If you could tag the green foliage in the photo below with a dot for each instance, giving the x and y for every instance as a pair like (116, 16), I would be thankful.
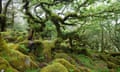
(86, 61)
(41, 58)
(9, 70)
(118, 69)
(49, 30)
(94, 65)
(88, 23)
(71, 70)
(23, 48)
(2, 15)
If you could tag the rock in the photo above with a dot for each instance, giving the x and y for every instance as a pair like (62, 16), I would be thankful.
(15, 58)
(65, 56)
(67, 64)
(55, 67)
(5, 66)
(47, 47)
(18, 60)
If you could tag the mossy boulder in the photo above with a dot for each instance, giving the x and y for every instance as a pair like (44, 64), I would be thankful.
(5, 66)
(9, 36)
(47, 47)
(67, 64)
(18, 60)
(13, 46)
(15, 58)
(40, 48)
(55, 67)
(3, 45)
(65, 56)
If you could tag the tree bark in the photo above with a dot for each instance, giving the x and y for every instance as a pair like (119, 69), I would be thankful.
(0, 6)
(0, 13)
(31, 33)
(3, 18)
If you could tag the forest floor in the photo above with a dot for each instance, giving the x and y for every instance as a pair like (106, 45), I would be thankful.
(15, 57)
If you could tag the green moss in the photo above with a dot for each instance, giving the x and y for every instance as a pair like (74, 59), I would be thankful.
(22, 48)
(18, 60)
(65, 56)
(3, 63)
(85, 60)
(83, 51)
(5, 66)
(55, 67)
(3, 45)
(13, 46)
(47, 47)
(67, 64)
(11, 70)
(118, 69)
(94, 66)
(21, 62)
(41, 58)
(32, 70)
(20, 38)
(2, 15)
(111, 65)
(98, 64)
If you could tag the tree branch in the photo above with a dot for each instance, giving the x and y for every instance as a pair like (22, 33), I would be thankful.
(74, 15)
(6, 6)
(81, 5)
(27, 12)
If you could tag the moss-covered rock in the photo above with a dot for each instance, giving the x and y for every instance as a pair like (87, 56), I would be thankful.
(65, 56)
(3, 45)
(40, 48)
(5, 66)
(15, 58)
(18, 60)
(9, 36)
(47, 47)
(67, 64)
(55, 67)
(62, 65)
(13, 46)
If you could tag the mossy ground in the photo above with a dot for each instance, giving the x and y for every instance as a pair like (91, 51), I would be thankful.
(14, 57)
